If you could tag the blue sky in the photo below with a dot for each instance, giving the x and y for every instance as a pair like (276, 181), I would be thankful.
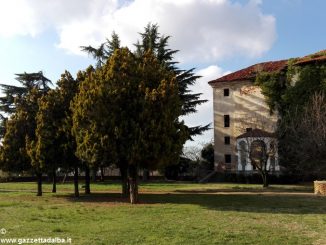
(215, 36)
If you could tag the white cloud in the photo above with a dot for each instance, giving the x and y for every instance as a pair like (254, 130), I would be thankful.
(204, 30)
(15, 20)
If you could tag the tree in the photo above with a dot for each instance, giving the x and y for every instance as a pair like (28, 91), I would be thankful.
(305, 138)
(104, 51)
(200, 160)
(127, 113)
(68, 88)
(43, 150)
(288, 93)
(54, 145)
(21, 126)
(14, 157)
(12, 94)
(152, 41)
(207, 154)
(258, 144)
(183, 168)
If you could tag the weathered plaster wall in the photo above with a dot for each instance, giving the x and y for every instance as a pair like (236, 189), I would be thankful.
(247, 109)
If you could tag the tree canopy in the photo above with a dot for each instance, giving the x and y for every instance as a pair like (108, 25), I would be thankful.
(151, 40)
(127, 113)
(20, 103)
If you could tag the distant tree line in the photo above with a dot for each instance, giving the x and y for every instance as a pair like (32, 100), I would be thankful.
(126, 111)
(194, 164)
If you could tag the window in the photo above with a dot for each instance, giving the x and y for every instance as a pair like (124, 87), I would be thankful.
(272, 163)
(227, 158)
(272, 157)
(227, 140)
(226, 92)
(226, 121)
(258, 154)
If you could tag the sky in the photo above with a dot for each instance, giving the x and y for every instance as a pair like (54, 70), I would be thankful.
(215, 37)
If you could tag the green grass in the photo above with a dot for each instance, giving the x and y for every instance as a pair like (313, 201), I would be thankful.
(169, 213)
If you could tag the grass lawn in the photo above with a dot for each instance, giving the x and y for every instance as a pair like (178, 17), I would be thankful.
(169, 213)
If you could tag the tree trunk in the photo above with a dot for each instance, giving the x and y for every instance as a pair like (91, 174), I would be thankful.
(87, 181)
(133, 176)
(102, 173)
(76, 182)
(133, 191)
(265, 179)
(39, 184)
(124, 181)
(54, 181)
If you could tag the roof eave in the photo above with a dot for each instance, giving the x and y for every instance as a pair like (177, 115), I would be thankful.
(214, 82)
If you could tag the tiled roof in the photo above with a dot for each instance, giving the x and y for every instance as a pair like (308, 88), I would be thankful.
(256, 133)
(316, 57)
(250, 72)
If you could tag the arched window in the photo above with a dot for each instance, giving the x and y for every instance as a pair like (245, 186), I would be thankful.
(243, 157)
(272, 157)
(258, 153)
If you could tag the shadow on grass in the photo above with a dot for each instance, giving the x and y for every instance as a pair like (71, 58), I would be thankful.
(6, 191)
(237, 189)
(241, 202)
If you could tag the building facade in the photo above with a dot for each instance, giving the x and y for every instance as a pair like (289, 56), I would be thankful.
(242, 118)
(239, 106)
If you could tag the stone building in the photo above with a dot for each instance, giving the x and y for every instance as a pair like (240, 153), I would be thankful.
(242, 118)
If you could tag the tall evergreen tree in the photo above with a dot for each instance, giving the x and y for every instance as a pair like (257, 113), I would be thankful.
(104, 51)
(21, 125)
(127, 113)
(158, 45)
(45, 149)
(54, 145)
(13, 94)
(152, 40)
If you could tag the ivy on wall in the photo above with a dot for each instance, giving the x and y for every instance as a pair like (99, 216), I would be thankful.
(288, 93)
(292, 89)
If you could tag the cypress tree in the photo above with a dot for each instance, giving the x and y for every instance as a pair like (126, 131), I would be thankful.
(151, 40)
(127, 113)
(22, 106)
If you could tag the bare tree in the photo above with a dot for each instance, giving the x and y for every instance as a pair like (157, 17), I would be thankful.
(305, 137)
(202, 157)
(193, 153)
(257, 145)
